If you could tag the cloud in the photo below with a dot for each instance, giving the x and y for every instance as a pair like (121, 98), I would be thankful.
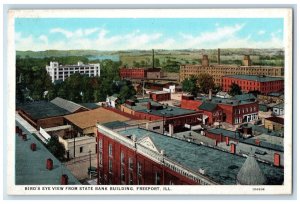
(261, 32)
(103, 39)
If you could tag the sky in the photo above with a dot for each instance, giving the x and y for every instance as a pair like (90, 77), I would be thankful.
(108, 34)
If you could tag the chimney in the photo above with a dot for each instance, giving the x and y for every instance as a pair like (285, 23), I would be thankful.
(247, 60)
(276, 159)
(64, 179)
(33, 147)
(149, 105)
(232, 148)
(205, 61)
(209, 94)
(171, 129)
(227, 141)
(216, 142)
(152, 58)
(219, 54)
(24, 137)
(17, 129)
(49, 164)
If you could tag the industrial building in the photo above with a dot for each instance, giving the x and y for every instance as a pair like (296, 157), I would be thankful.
(61, 72)
(217, 71)
(264, 84)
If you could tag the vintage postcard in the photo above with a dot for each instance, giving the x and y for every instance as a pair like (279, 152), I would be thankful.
(150, 101)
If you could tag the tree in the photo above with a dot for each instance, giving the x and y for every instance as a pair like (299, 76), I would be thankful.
(56, 148)
(235, 89)
(190, 85)
(205, 82)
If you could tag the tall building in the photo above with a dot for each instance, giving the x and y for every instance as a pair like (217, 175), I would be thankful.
(61, 72)
(218, 70)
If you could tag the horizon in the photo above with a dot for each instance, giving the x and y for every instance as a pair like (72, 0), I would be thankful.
(113, 34)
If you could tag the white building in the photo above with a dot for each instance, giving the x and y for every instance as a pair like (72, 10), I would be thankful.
(61, 72)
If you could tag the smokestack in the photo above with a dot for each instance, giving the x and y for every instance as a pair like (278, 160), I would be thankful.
(247, 60)
(152, 58)
(219, 54)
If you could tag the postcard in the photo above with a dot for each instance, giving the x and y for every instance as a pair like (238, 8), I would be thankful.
(150, 101)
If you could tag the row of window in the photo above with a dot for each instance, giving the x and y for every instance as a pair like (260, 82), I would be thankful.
(245, 110)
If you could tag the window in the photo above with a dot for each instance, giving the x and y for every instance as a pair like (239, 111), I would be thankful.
(156, 128)
(157, 178)
(110, 150)
(100, 157)
(122, 158)
(130, 177)
(122, 175)
(139, 168)
(110, 165)
(81, 149)
(130, 163)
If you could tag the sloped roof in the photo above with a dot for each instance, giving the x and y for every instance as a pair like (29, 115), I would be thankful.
(67, 105)
(208, 106)
(276, 120)
(245, 97)
(250, 173)
(87, 119)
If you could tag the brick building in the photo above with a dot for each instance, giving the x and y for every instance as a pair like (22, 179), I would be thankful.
(174, 118)
(140, 73)
(218, 71)
(233, 110)
(136, 156)
(261, 83)
(42, 114)
(160, 96)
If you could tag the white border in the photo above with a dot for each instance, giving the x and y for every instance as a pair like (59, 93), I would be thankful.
(158, 13)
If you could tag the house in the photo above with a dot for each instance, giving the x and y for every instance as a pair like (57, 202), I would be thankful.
(222, 94)
(274, 123)
(278, 109)
(111, 101)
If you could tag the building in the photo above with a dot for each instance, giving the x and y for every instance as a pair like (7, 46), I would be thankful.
(68, 105)
(140, 73)
(174, 118)
(233, 111)
(160, 96)
(84, 123)
(61, 72)
(274, 123)
(222, 94)
(278, 109)
(35, 165)
(261, 83)
(136, 156)
(42, 114)
(217, 71)
(111, 101)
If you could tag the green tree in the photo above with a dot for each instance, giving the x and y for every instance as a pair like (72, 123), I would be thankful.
(190, 85)
(205, 82)
(235, 89)
(56, 148)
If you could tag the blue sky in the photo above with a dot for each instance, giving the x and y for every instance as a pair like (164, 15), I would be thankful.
(147, 33)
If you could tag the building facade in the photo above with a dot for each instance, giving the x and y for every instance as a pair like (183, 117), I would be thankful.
(218, 71)
(160, 95)
(261, 83)
(61, 72)
(233, 111)
(140, 73)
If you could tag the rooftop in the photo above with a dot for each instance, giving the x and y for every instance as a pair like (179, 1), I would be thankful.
(208, 106)
(224, 132)
(42, 109)
(90, 118)
(30, 166)
(280, 105)
(229, 101)
(276, 120)
(67, 105)
(245, 97)
(258, 78)
(90, 105)
(163, 110)
(220, 166)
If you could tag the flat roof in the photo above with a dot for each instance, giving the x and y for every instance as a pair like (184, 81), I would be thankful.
(42, 109)
(222, 167)
(90, 118)
(276, 120)
(165, 111)
(227, 101)
(30, 166)
(258, 78)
